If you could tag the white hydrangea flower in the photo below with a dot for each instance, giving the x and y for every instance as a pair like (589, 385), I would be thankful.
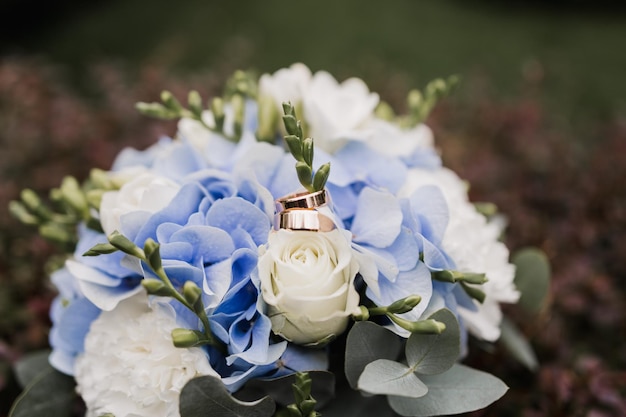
(335, 112)
(130, 366)
(389, 139)
(146, 192)
(286, 84)
(473, 244)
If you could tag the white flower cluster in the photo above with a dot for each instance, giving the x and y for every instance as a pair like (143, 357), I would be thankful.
(130, 366)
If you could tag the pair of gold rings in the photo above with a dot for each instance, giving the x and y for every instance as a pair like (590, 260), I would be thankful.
(299, 211)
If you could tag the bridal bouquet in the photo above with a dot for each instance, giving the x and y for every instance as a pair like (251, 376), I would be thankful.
(296, 249)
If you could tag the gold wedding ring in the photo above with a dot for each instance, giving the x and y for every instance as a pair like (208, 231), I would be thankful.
(303, 219)
(302, 200)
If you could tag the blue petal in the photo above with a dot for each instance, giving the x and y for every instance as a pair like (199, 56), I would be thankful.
(415, 282)
(209, 243)
(378, 218)
(405, 250)
(233, 213)
(429, 205)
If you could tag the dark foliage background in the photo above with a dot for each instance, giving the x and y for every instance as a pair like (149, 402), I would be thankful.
(537, 127)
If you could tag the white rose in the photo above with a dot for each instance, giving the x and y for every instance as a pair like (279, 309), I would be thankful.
(473, 243)
(147, 193)
(307, 280)
(130, 366)
(286, 84)
(335, 112)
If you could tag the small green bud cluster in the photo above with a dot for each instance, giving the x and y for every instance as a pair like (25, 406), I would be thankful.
(304, 405)
(239, 87)
(70, 204)
(464, 279)
(302, 150)
(419, 103)
(404, 305)
(161, 286)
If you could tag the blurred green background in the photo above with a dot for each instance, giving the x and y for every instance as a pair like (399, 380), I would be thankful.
(576, 49)
(538, 126)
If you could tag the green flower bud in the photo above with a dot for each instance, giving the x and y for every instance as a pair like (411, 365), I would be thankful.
(291, 124)
(125, 245)
(415, 99)
(195, 103)
(217, 108)
(30, 199)
(321, 176)
(100, 179)
(456, 276)
(295, 146)
(268, 119)
(56, 232)
(156, 287)
(19, 211)
(474, 292)
(308, 151)
(238, 105)
(193, 295)
(404, 305)
(156, 110)
(100, 249)
(73, 195)
(185, 338)
(429, 326)
(289, 109)
(384, 111)
(170, 102)
(94, 197)
(153, 254)
(304, 173)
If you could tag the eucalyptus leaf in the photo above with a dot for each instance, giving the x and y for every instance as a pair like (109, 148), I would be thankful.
(532, 278)
(518, 345)
(350, 403)
(430, 354)
(207, 396)
(366, 343)
(459, 390)
(50, 393)
(385, 377)
(30, 365)
(280, 389)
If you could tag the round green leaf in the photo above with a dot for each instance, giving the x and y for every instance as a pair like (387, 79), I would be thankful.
(49, 393)
(518, 345)
(207, 395)
(385, 377)
(532, 278)
(31, 365)
(459, 390)
(430, 354)
(367, 342)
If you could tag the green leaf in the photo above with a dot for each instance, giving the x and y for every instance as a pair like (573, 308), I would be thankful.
(391, 378)
(207, 395)
(30, 365)
(532, 278)
(430, 354)
(350, 403)
(366, 343)
(459, 390)
(281, 391)
(517, 344)
(50, 393)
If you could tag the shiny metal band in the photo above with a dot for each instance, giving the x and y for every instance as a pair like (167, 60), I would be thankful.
(303, 219)
(303, 200)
